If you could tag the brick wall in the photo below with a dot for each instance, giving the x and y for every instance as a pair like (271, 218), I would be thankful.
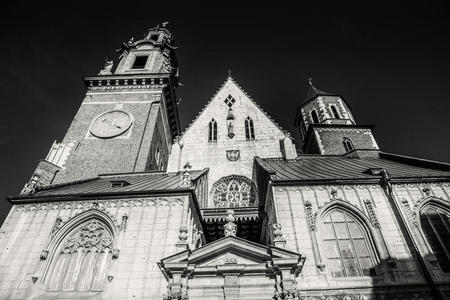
(93, 156)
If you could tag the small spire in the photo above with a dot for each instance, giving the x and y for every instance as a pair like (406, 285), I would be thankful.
(229, 73)
(313, 91)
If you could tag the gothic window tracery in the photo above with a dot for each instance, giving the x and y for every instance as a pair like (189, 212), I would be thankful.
(233, 191)
(212, 132)
(348, 145)
(249, 129)
(346, 245)
(435, 223)
(81, 260)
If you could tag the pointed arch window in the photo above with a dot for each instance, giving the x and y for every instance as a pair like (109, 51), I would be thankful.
(212, 133)
(346, 245)
(81, 260)
(435, 223)
(314, 116)
(334, 112)
(249, 129)
(348, 145)
(233, 191)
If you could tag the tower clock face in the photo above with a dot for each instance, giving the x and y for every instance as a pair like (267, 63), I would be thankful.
(111, 124)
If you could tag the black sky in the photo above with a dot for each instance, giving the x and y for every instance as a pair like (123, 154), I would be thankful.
(390, 61)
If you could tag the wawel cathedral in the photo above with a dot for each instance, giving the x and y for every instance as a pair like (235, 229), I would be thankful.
(130, 206)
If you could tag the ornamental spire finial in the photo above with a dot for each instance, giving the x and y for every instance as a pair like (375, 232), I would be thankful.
(229, 73)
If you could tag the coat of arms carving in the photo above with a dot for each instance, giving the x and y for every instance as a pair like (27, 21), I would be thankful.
(233, 155)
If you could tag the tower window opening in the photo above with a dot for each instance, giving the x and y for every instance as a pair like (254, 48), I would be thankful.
(154, 37)
(335, 112)
(212, 133)
(249, 129)
(348, 145)
(140, 62)
(314, 116)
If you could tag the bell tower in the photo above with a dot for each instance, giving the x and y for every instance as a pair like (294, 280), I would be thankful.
(127, 119)
(326, 126)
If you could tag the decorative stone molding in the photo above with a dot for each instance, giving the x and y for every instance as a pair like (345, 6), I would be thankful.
(182, 243)
(278, 240)
(186, 175)
(230, 227)
(31, 186)
(175, 296)
(117, 82)
(115, 253)
(411, 215)
(57, 225)
(371, 212)
(310, 217)
(287, 295)
(44, 254)
(427, 191)
(321, 267)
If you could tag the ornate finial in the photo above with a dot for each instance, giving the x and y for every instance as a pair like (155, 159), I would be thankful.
(427, 191)
(334, 194)
(229, 73)
(107, 68)
(230, 226)
(31, 186)
(183, 236)
(131, 40)
(186, 176)
(310, 81)
(278, 239)
(164, 24)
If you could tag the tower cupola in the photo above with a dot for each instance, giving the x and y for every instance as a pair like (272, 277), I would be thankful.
(326, 125)
(153, 54)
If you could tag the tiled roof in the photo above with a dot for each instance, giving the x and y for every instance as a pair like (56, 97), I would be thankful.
(128, 182)
(322, 167)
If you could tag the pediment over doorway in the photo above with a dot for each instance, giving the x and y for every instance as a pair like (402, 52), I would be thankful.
(227, 263)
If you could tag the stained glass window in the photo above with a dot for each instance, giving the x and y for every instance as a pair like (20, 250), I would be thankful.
(436, 226)
(233, 191)
(345, 246)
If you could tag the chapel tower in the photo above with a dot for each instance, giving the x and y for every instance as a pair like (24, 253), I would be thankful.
(326, 126)
(127, 119)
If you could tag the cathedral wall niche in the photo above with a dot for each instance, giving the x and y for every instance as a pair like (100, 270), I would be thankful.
(93, 155)
(147, 230)
(302, 211)
(201, 153)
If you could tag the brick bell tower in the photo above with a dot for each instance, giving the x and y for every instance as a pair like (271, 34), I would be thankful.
(127, 119)
(327, 126)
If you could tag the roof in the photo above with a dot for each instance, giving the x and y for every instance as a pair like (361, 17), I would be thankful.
(326, 167)
(313, 92)
(229, 78)
(125, 182)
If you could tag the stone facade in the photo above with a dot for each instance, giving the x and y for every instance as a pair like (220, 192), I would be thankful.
(226, 210)
(193, 146)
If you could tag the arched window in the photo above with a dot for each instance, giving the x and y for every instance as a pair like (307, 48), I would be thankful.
(346, 245)
(314, 116)
(212, 133)
(249, 130)
(348, 145)
(233, 191)
(81, 260)
(435, 224)
(335, 112)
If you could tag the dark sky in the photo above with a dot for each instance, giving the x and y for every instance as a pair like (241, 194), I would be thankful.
(391, 62)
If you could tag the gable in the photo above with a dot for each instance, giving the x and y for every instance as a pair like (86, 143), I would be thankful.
(230, 155)
(217, 108)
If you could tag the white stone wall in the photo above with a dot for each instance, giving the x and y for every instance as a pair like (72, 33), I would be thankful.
(151, 234)
(292, 214)
(411, 198)
(196, 149)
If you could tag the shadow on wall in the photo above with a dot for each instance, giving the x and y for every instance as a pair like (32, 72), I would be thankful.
(390, 279)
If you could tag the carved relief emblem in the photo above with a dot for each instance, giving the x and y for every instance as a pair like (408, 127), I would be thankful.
(233, 155)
